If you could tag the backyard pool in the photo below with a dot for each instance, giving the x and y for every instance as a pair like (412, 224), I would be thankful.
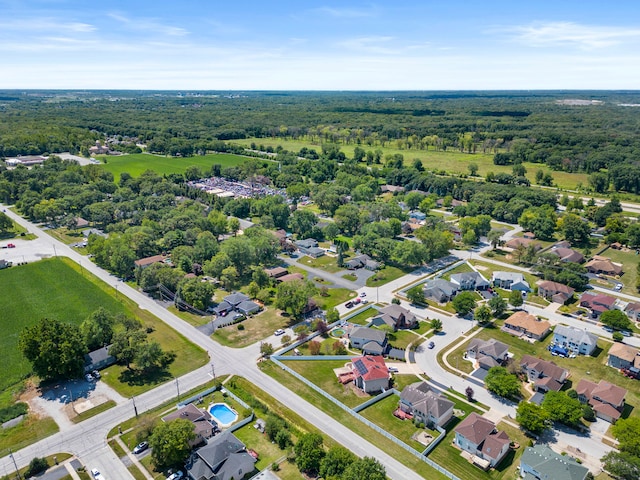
(223, 414)
(337, 332)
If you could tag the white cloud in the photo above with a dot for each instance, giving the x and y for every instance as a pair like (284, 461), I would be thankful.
(573, 34)
(347, 12)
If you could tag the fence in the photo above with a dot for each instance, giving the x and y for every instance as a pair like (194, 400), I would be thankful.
(370, 424)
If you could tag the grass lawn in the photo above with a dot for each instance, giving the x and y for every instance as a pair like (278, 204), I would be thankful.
(191, 318)
(135, 164)
(335, 296)
(363, 317)
(31, 430)
(15, 231)
(350, 276)
(629, 260)
(487, 270)
(256, 328)
(381, 413)
(462, 268)
(351, 423)
(66, 236)
(321, 374)
(401, 380)
(268, 452)
(402, 338)
(387, 274)
(326, 263)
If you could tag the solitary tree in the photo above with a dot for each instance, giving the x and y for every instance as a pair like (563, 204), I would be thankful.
(416, 295)
(515, 298)
(464, 302)
(532, 417)
(498, 305)
(502, 383)
(469, 393)
(483, 314)
(170, 442)
(436, 324)
(615, 319)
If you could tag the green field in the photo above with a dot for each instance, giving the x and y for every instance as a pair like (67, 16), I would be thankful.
(137, 163)
(45, 289)
(57, 288)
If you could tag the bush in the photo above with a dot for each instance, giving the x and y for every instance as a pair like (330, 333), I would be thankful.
(240, 326)
(36, 466)
(13, 411)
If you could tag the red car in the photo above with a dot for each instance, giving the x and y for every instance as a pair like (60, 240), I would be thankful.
(10, 245)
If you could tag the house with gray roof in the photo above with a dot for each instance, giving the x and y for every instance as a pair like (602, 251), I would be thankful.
(541, 463)
(469, 281)
(362, 261)
(236, 299)
(98, 359)
(440, 290)
(248, 307)
(580, 341)
(223, 458)
(488, 353)
(370, 340)
(426, 406)
(396, 317)
(510, 281)
(204, 426)
(309, 246)
(544, 375)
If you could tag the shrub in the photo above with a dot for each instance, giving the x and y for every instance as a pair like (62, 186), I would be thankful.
(36, 466)
(13, 411)
(240, 326)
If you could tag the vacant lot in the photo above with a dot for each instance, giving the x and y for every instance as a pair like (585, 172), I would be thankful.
(57, 288)
(252, 329)
(135, 164)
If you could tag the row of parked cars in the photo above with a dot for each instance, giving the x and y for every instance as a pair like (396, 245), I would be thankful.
(357, 301)
(92, 376)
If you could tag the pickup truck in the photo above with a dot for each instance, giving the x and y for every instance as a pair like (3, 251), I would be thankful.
(96, 474)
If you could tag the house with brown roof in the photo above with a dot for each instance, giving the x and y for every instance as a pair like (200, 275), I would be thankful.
(290, 277)
(204, 426)
(633, 311)
(597, 303)
(488, 353)
(478, 436)
(623, 356)
(276, 272)
(425, 405)
(555, 292)
(567, 254)
(145, 262)
(603, 265)
(396, 317)
(544, 375)
(516, 242)
(606, 399)
(523, 323)
(370, 373)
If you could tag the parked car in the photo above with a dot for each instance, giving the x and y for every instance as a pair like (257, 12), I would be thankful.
(141, 447)
(10, 245)
(349, 304)
(176, 476)
(365, 301)
(88, 377)
(96, 374)
(607, 329)
(363, 294)
(618, 287)
(393, 370)
(279, 332)
(626, 333)
(357, 301)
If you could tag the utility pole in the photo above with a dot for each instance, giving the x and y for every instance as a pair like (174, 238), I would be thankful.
(213, 372)
(15, 464)
(135, 409)
(178, 389)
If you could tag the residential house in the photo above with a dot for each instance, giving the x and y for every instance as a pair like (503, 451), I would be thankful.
(417, 216)
(362, 261)
(370, 373)
(555, 292)
(248, 307)
(440, 290)
(222, 308)
(633, 311)
(488, 353)
(517, 242)
(541, 463)
(276, 272)
(396, 317)
(309, 246)
(370, 340)
(223, 458)
(510, 281)
(567, 254)
(598, 303)
(603, 265)
(478, 436)
(290, 277)
(469, 281)
(203, 424)
(99, 149)
(98, 359)
(623, 356)
(606, 399)
(143, 263)
(391, 188)
(544, 375)
(425, 405)
(81, 222)
(236, 299)
(523, 323)
(529, 235)
(580, 341)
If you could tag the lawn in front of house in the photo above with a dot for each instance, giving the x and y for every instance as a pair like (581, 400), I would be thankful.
(402, 338)
(320, 373)
(462, 268)
(381, 413)
(334, 297)
(387, 274)
(487, 270)
(66, 235)
(629, 260)
(364, 317)
(253, 329)
(327, 263)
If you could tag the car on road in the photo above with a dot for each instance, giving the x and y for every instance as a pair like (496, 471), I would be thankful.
(626, 333)
(363, 294)
(393, 370)
(357, 300)
(88, 377)
(10, 245)
(141, 447)
(349, 304)
(96, 474)
(607, 329)
(176, 476)
(365, 301)
(618, 287)
(431, 344)
(278, 332)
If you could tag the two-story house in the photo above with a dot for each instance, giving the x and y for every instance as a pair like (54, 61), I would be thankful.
(426, 406)
(478, 436)
(469, 281)
(623, 356)
(370, 340)
(554, 291)
(488, 353)
(541, 463)
(580, 341)
(510, 281)
(545, 376)
(606, 399)
(370, 373)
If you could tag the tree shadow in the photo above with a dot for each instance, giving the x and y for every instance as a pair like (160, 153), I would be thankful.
(149, 377)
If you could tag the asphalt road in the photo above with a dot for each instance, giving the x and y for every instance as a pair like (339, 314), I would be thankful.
(87, 440)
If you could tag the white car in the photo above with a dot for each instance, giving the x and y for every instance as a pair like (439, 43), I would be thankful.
(175, 476)
(278, 332)
(96, 474)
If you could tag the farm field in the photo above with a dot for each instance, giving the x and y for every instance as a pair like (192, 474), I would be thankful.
(69, 295)
(453, 162)
(137, 163)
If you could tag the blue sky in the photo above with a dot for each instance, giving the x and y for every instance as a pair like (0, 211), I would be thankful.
(308, 45)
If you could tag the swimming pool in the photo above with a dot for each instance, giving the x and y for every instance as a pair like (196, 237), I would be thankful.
(223, 414)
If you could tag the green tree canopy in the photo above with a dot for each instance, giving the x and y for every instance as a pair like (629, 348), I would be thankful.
(97, 329)
(293, 296)
(498, 305)
(416, 295)
(627, 432)
(502, 383)
(464, 302)
(615, 319)
(367, 467)
(309, 453)
(335, 462)
(532, 417)
(170, 442)
(562, 408)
